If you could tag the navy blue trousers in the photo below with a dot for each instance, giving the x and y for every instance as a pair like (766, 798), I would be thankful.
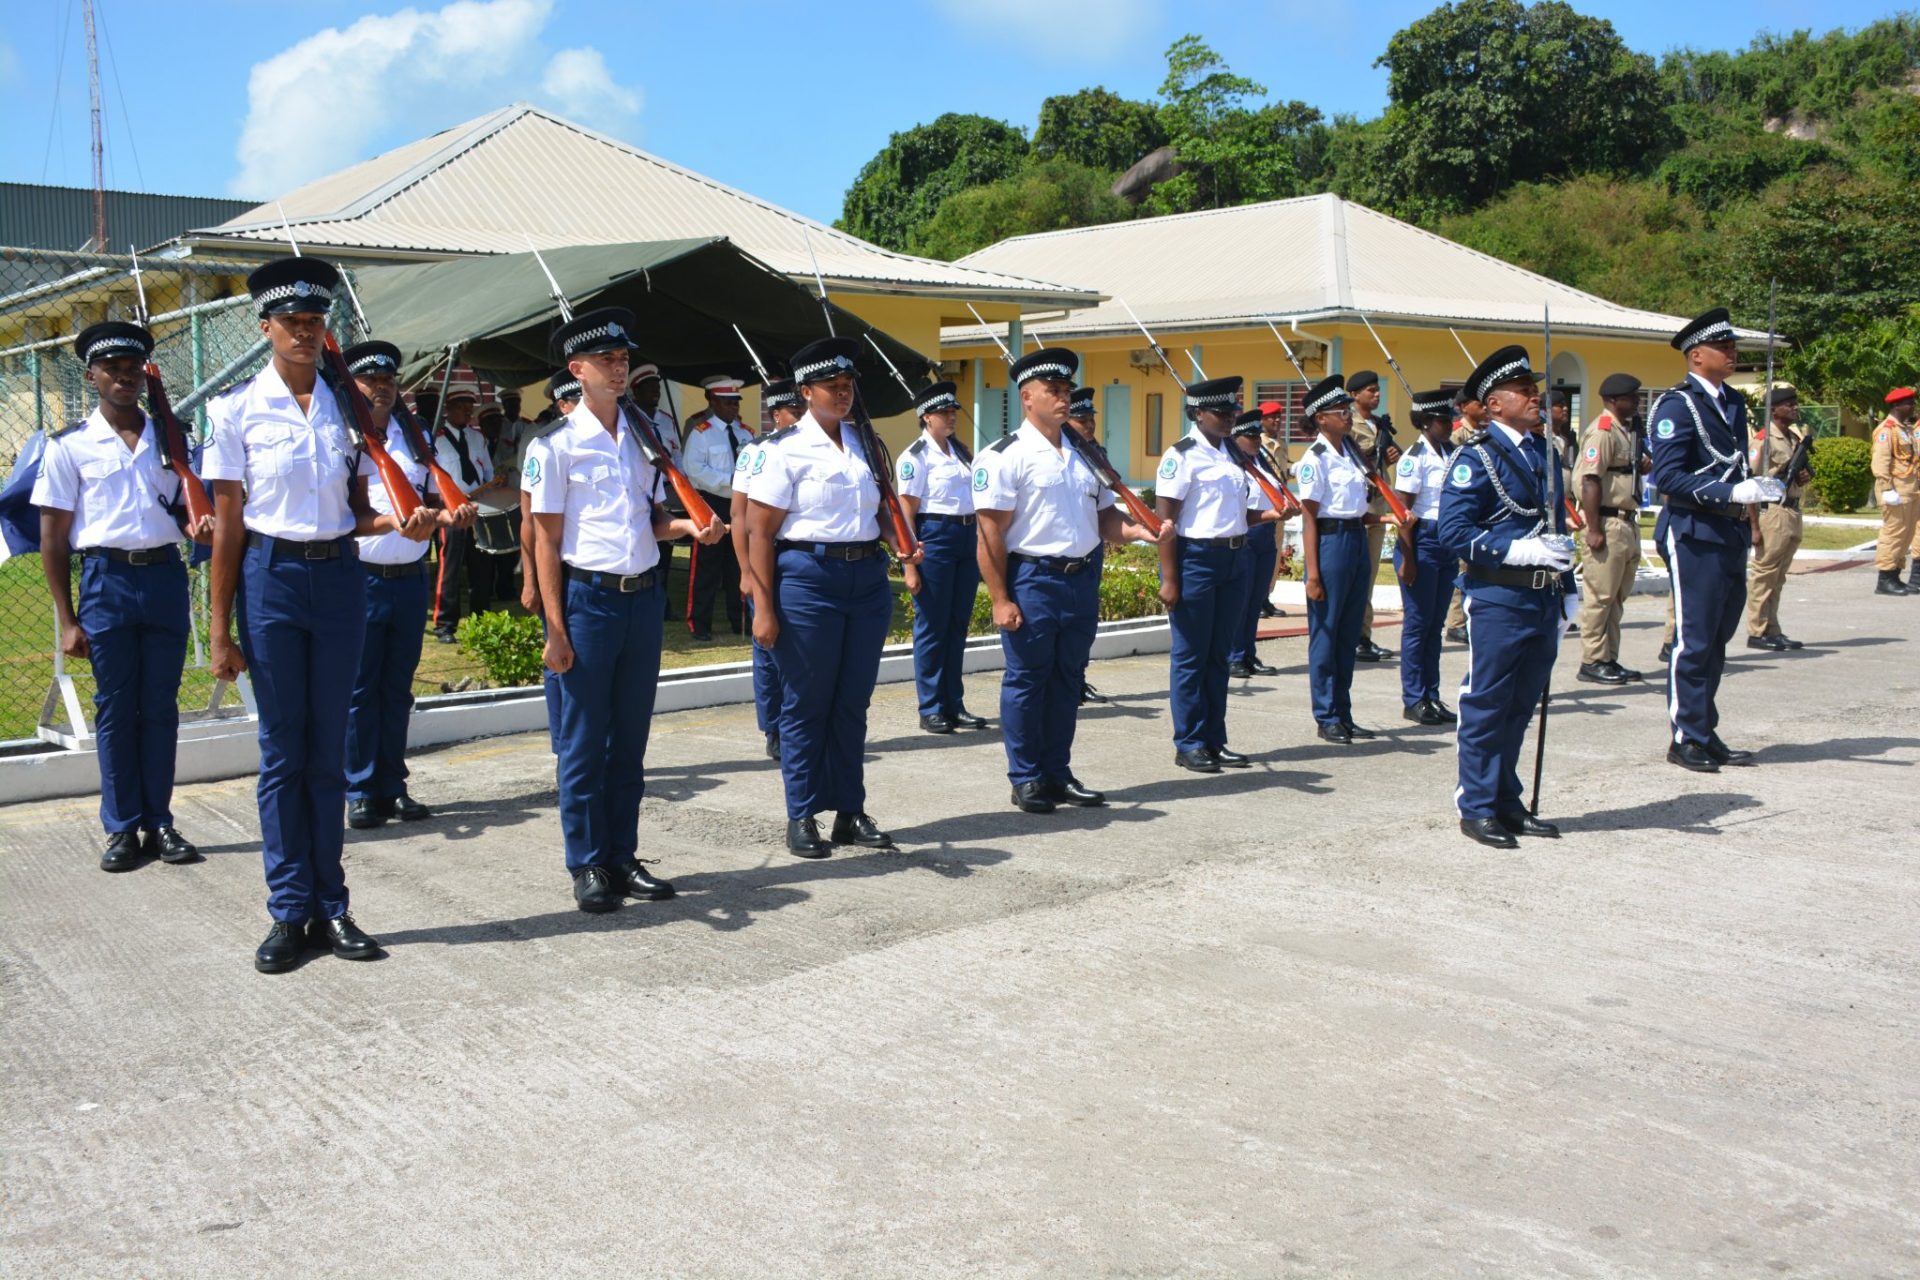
(1512, 638)
(833, 623)
(942, 612)
(382, 699)
(302, 623)
(1213, 596)
(1046, 668)
(606, 712)
(1263, 548)
(1709, 594)
(766, 682)
(1333, 624)
(1425, 604)
(135, 621)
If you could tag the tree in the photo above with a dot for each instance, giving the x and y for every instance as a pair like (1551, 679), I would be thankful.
(1097, 129)
(1229, 152)
(1486, 93)
(902, 186)
(1046, 196)
(1857, 363)
(1727, 163)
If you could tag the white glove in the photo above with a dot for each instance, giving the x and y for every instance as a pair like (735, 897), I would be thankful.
(1891, 498)
(1538, 553)
(1758, 489)
(1569, 607)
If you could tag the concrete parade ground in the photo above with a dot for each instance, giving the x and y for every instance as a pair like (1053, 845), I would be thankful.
(1281, 1022)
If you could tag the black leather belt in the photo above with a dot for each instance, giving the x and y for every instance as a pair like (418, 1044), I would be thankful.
(139, 555)
(832, 550)
(1622, 513)
(1708, 508)
(1338, 524)
(1237, 540)
(411, 569)
(626, 583)
(1059, 564)
(945, 519)
(1791, 504)
(1532, 579)
(289, 549)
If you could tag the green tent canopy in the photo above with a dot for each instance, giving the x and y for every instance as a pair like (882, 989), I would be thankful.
(686, 296)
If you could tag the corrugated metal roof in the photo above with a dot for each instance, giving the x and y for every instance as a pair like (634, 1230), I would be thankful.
(466, 191)
(1315, 257)
(34, 216)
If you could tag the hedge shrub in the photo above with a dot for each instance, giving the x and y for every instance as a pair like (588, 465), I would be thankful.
(508, 647)
(1842, 472)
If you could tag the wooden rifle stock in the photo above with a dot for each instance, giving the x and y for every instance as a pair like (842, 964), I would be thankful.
(452, 496)
(1388, 495)
(173, 438)
(656, 452)
(1110, 476)
(1574, 519)
(400, 491)
(1281, 497)
(903, 540)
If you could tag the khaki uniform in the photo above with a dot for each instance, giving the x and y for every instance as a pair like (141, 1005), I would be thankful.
(1365, 437)
(1896, 466)
(1606, 576)
(1780, 535)
(1276, 453)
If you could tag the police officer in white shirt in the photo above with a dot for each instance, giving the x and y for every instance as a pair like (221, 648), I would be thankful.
(1425, 567)
(104, 491)
(595, 502)
(821, 600)
(290, 491)
(709, 455)
(1333, 540)
(1205, 493)
(934, 478)
(1043, 514)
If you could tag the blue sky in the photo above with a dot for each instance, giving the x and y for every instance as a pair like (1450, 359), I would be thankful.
(224, 97)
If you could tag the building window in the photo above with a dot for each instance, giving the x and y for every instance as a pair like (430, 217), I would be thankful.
(1154, 403)
(1291, 396)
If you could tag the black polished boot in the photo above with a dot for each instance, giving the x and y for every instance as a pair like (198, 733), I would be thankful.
(1070, 790)
(1489, 832)
(1032, 797)
(171, 847)
(858, 828)
(344, 938)
(1692, 756)
(1522, 823)
(594, 890)
(1229, 759)
(285, 944)
(407, 809)
(803, 839)
(122, 852)
(364, 815)
(1196, 761)
(633, 881)
(965, 719)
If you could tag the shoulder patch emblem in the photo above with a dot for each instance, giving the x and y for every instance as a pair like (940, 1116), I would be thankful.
(532, 470)
(759, 461)
(1593, 451)
(1665, 429)
(1462, 475)
(979, 479)
(742, 462)
(1306, 472)
(906, 468)
(1169, 468)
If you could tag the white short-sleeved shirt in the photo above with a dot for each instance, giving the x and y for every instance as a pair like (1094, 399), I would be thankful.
(298, 467)
(602, 487)
(1055, 497)
(1213, 490)
(394, 548)
(940, 478)
(1422, 473)
(1334, 478)
(827, 490)
(711, 452)
(447, 453)
(118, 496)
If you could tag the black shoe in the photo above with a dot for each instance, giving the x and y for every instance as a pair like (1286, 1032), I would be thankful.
(445, 637)
(1523, 823)
(1889, 584)
(633, 881)
(1336, 733)
(1423, 712)
(407, 809)
(773, 746)
(1068, 790)
(1765, 642)
(1090, 694)
(170, 846)
(1268, 611)
(858, 828)
(1666, 653)
(1788, 641)
(1628, 674)
(1457, 635)
(1489, 832)
(1358, 734)
(285, 944)
(364, 815)
(936, 724)
(1447, 715)
(1240, 670)
(1691, 755)
(1032, 797)
(803, 839)
(122, 852)
(1368, 651)
(965, 719)
(595, 890)
(1196, 761)
(1229, 759)
(1723, 755)
(703, 635)
(1601, 673)
(343, 937)
(1262, 668)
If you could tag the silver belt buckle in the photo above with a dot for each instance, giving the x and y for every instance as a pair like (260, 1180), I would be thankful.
(628, 583)
(1542, 578)
(316, 550)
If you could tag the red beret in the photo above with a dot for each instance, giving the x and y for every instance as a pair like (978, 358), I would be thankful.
(1270, 407)
(1898, 394)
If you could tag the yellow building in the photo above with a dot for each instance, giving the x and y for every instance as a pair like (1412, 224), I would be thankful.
(1317, 269)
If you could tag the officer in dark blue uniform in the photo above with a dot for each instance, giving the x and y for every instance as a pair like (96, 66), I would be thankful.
(821, 600)
(1333, 544)
(599, 523)
(781, 399)
(1203, 491)
(290, 491)
(103, 491)
(935, 482)
(1700, 467)
(1425, 567)
(1262, 550)
(1500, 515)
(1043, 514)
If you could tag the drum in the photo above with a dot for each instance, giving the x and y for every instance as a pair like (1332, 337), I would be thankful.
(493, 534)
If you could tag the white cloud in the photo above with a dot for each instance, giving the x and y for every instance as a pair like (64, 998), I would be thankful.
(1100, 27)
(9, 64)
(325, 102)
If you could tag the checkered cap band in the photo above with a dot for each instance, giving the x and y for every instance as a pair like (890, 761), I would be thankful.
(567, 390)
(1045, 371)
(831, 365)
(1327, 400)
(781, 399)
(599, 333)
(373, 362)
(1433, 406)
(1226, 401)
(1722, 332)
(940, 402)
(112, 343)
(1497, 376)
(298, 289)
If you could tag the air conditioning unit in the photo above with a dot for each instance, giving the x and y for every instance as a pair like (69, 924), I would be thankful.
(1143, 359)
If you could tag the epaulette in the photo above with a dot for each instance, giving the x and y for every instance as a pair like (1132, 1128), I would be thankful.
(1477, 436)
(1417, 447)
(67, 430)
(918, 446)
(1318, 446)
(1000, 445)
(1185, 443)
(782, 434)
(230, 388)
